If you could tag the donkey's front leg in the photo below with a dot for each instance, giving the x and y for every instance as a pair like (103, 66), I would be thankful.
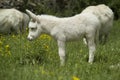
(61, 49)
(92, 48)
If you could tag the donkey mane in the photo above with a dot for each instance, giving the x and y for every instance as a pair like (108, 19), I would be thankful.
(55, 18)
(49, 17)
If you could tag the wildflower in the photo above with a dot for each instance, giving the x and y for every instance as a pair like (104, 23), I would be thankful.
(46, 47)
(7, 47)
(7, 50)
(75, 78)
(48, 37)
(13, 36)
(44, 36)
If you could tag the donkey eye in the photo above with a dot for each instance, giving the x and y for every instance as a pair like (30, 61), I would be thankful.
(33, 29)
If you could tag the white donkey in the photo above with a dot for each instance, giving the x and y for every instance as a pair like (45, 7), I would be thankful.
(13, 21)
(105, 15)
(66, 29)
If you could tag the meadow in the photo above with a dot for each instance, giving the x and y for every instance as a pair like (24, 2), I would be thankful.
(21, 59)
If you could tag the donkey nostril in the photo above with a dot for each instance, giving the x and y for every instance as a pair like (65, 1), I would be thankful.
(29, 38)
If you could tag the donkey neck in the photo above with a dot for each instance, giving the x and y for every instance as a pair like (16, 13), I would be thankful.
(48, 23)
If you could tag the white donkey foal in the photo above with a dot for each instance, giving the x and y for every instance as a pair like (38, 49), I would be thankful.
(66, 29)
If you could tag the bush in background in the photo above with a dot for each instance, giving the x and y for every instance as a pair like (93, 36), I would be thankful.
(59, 7)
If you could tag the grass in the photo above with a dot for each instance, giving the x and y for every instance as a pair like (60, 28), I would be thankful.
(21, 59)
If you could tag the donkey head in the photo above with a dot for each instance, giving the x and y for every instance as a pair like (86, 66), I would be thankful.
(34, 26)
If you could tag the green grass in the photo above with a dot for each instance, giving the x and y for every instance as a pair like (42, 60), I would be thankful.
(21, 59)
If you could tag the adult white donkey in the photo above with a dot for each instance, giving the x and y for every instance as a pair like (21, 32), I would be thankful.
(106, 16)
(66, 29)
(13, 21)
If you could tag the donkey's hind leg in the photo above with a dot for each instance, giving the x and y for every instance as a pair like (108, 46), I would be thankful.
(91, 46)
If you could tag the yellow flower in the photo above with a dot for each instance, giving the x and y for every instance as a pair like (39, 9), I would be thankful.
(7, 47)
(13, 36)
(44, 36)
(46, 47)
(75, 78)
(7, 50)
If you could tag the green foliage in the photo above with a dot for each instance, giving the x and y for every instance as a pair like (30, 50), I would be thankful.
(70, 7)
(116, 8)
(59, 7)
(39, 59)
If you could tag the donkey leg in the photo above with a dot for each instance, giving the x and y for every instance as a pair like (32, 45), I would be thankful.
(85, 41)
(92, 48)
(61, 51)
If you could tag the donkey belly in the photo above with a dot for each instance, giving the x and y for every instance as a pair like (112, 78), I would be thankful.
(73, 37)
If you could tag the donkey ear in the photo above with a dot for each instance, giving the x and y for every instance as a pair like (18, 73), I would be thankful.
(32, 15)
(38, 19)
